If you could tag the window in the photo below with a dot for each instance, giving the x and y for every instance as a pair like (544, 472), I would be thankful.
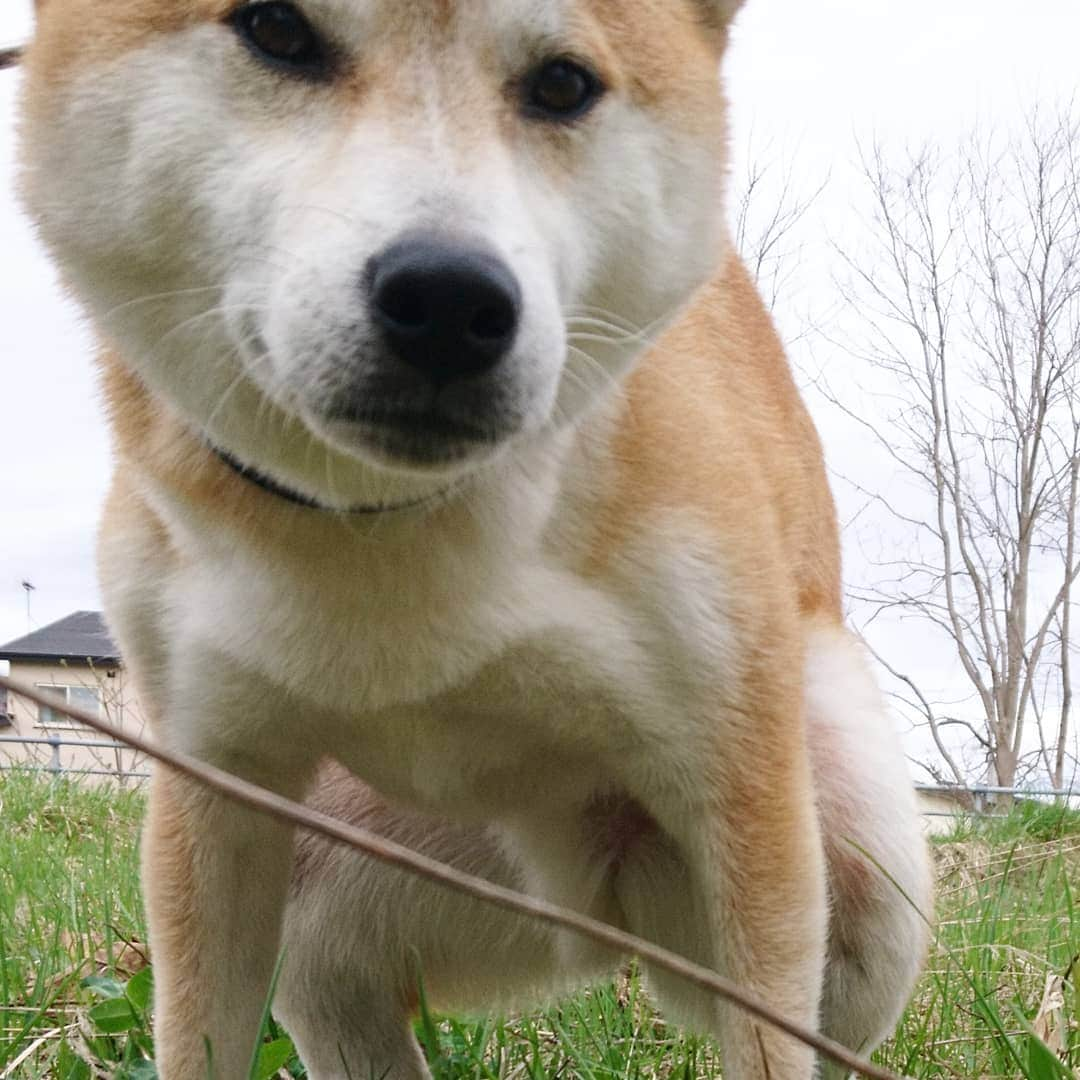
(80, 697)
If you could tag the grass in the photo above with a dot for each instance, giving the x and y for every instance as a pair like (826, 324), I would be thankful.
(998, 999)
(69, 908)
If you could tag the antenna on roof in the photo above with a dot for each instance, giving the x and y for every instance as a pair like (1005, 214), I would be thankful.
(29, 587)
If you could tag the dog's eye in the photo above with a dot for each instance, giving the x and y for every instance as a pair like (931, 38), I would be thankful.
(562, 90)
(277, 31)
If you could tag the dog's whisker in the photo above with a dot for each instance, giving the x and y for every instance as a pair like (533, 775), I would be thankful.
(161, 297)
(601, 325)
(340, 215)
(602, 339)
(211, 420)
(593, 365)
(606, 315)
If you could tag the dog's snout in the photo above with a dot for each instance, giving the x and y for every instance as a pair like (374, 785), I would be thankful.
(445, 308)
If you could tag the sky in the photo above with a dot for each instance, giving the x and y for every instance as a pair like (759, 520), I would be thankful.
(806, 80)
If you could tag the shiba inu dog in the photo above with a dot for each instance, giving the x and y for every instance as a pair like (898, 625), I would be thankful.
(462, 486)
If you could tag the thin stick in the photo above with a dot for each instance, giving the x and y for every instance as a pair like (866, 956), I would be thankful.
(398, 855)
(10, 56)
(32, 1049)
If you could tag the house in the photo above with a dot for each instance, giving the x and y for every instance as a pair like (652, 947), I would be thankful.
(76, 662)
(943, 806)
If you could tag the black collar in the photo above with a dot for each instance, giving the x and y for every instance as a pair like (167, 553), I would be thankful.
(272, 487)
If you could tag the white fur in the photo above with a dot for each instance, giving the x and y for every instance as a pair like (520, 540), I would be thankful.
(868, 802)
(256, 316)
(351, 989)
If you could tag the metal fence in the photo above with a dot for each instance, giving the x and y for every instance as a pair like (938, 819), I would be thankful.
(983, 798)
(55, 766)
(979, 798)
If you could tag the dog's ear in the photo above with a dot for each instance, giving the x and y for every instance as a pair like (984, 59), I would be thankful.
(13, 54)
(718, 12)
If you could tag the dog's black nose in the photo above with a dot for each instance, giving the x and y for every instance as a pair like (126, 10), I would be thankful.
(447, 309)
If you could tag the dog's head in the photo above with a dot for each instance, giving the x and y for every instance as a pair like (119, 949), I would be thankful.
(415, 231)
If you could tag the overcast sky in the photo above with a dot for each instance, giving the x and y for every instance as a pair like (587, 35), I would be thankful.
(806, 77)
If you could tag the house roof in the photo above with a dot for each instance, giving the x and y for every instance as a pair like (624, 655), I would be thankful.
(80, 636)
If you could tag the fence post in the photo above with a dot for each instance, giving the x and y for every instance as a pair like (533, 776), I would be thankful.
(54, 757)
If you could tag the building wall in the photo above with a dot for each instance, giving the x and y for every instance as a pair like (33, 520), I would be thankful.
(116, 703)
(940, 811)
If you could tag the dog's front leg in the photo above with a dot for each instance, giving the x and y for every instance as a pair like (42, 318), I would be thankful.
(768, 886)
(215, 877)
(740, 887)
(215, 873)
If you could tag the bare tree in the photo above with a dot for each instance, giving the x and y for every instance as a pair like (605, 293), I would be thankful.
(768, 210)
(966, 304)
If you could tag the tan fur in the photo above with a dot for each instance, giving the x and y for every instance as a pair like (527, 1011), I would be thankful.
(169, 870)
(719, 390)
(83, 39)
(604, 663)
(188, 946)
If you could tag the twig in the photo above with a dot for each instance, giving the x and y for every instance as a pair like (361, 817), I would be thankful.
(32, 1049)
(398, 855)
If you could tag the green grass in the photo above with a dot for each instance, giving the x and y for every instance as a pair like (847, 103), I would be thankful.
(69, 907)
(74, 995)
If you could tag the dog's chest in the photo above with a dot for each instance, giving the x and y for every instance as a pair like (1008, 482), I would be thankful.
(549, 719)
(497, 684)
(576, 687)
